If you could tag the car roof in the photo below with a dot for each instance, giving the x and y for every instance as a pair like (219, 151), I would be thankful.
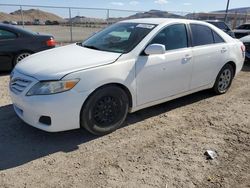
(159, 21)
(214, 21)
(16, 29)
(245, 24)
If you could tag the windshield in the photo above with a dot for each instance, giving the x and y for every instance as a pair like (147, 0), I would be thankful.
(120, 37)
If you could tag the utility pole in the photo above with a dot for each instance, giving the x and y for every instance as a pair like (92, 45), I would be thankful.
(225, 19)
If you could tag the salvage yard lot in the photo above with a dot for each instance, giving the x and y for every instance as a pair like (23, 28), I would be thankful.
(62, 33)
(158, 146)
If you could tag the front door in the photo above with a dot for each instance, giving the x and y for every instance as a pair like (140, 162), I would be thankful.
(164, 75)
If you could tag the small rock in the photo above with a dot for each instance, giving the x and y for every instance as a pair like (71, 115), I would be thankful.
(101, 172)
(210, 154)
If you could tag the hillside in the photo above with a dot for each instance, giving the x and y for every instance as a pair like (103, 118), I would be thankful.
(154, 14)
(238, 10)
(29, 15)
(148, 14)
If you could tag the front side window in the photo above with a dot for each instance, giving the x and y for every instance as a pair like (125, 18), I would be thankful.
(173, 37)
(120, 37)
(201, 35)
(6, 35)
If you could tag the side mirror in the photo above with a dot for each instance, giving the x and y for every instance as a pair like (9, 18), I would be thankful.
(155, 49)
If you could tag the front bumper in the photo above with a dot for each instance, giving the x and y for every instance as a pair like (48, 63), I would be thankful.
(63, 108)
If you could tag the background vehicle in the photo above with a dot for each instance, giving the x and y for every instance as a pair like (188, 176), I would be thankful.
(126, 67)
(242, 31)
(17, 43)
(246, 41)
(223, 26)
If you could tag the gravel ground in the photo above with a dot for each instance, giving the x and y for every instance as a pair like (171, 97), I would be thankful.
(161, 146)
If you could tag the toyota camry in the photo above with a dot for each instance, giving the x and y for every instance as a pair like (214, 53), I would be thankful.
(126, 67)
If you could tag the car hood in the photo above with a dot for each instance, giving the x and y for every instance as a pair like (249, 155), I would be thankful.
(245, 39)
(56, 63)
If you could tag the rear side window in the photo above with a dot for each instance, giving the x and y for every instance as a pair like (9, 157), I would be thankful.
(7, 34)
(217, 38)
(201, 35)
(173, 37)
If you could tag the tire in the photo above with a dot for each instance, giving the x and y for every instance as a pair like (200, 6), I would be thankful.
(224, 79)
(105, 110)
(20, 57)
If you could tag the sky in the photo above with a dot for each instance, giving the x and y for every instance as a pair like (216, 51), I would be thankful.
(138, 5)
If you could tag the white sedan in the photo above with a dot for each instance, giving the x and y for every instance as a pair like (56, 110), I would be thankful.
(126, 67)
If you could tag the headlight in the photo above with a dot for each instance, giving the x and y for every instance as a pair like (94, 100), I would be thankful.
(52, 87)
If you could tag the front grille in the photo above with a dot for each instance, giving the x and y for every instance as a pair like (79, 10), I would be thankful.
(18, 85)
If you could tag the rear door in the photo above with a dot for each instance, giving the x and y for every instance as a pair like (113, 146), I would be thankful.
(209, 54)
(7, 46)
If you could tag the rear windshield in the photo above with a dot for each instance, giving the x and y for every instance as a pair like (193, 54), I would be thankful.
(220, 25)
(245, 26)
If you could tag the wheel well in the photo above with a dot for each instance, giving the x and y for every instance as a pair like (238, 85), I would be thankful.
(124, 88)
(233, 65)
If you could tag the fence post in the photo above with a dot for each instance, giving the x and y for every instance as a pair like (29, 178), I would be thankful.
(246, 17)
(235, 20)
(21, 10)
(107, 17)
(70, 21)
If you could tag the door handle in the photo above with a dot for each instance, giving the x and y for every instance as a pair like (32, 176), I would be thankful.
(223, 50)
(187, 57)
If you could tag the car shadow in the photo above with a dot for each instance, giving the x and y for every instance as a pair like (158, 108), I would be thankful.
(4, 73)
(20, 143)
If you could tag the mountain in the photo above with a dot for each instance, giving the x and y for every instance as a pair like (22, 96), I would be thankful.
(148, 14)
(30, 15)
(83, 19)
(154, 14)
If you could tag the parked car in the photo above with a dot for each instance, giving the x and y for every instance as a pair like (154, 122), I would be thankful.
(126, 67)
(242, 31)
(17, 43)
(6, 22)
(246, 41)
(223, 26)
(48, 22)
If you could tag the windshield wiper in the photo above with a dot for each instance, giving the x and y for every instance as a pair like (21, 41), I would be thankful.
(91, 47)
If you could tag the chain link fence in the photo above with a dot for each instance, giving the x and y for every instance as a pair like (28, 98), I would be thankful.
(71, 24)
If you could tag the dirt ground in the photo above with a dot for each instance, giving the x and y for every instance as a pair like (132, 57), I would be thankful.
(162, 146)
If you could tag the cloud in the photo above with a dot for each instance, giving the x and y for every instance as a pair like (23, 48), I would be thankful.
(134, 3)
(187, 4)
(117, 3)
(161, 2)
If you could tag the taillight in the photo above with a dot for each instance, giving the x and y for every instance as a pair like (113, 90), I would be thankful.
(51, 42)
(243, 48)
